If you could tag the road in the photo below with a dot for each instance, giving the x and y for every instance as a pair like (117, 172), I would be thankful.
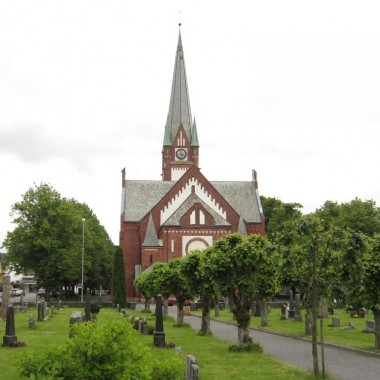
(341, 363)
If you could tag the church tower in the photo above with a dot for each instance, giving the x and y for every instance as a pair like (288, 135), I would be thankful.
(181, 148)
(165, 219)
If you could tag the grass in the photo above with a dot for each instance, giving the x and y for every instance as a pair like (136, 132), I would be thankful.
(212, 354)
(349, 338)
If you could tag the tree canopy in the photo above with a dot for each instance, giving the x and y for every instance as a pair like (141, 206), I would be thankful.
(48, 240)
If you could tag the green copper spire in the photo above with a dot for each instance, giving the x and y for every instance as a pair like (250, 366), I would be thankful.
(179, 105)
(194, 135)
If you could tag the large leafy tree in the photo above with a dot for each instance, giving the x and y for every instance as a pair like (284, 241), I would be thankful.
(357, 215)
(277, 214)
(238, 267)
(311, 252)
(48, 239)
(360, 272)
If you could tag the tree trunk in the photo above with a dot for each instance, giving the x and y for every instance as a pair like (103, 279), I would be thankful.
(314, 312)
(205, 323)
(216, 307)
(308, 322)
(243, 320)
(165, 308)
(376, 315)
(264, 312)
(147, 304)
(180, 313)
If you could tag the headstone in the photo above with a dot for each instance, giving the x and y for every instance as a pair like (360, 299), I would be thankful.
(76, 317)
(192, 369)
(291, 309)
(283, 311)
(335, 322)
(10, 331)
(87, 308)
(41, 311)
(369, 326)
(31, 322)
(6, 295)
(158, 334)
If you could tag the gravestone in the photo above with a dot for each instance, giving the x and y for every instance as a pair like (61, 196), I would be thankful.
(41, 311)
(291, 309)
(76, 317)
(31, 322)
(335, 322)
(158, 334)
(87, 307)
(369, 326)
(6, 295)
(10, 331)
(192, 369)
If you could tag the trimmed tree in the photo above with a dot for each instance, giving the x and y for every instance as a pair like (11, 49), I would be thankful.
(238, 266)
(119, 288)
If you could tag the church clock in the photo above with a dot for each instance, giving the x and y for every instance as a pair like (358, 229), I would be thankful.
(181, 154)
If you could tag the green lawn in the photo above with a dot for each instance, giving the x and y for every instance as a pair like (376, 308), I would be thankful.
(350, 338)
(213, 357)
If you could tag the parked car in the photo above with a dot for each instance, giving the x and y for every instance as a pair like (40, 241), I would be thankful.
(171, 301)
(41, 293)
(17, 293)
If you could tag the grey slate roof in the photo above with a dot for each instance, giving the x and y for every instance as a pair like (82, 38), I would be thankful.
(141, 196)
(151, 239)
(242, 196)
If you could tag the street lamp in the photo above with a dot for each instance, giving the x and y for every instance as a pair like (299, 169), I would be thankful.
(81, 295)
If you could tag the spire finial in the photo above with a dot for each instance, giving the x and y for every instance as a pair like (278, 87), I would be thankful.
(179, 19)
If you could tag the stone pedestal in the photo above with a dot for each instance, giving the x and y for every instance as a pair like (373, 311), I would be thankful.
(10, 331)
(159, 339)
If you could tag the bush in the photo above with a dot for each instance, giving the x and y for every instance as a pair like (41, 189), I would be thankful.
(109, 352)
(248, 347)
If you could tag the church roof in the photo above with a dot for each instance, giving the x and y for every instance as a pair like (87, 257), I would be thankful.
(179, 105)
(151, 239)
(142, 195)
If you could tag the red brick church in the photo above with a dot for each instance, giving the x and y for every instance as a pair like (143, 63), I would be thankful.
(164, 219)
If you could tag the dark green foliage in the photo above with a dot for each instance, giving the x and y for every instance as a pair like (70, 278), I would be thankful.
(119, 285)
(48, 241)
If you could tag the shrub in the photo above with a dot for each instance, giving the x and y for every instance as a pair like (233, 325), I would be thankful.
(108, 352)
(248, 347)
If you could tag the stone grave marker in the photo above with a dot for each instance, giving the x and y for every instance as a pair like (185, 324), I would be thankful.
(291, 309)
(6, 295)
(192, 369)
(335, 322)
(159, 334)
(31, 322)
(10, 330)
(87, 307)
(369, 326)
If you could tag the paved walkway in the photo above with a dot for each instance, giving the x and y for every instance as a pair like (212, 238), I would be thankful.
(340, 363)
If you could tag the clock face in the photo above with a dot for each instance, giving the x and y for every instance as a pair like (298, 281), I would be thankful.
(181, 154)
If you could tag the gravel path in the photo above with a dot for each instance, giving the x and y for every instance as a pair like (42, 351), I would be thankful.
(341, 363)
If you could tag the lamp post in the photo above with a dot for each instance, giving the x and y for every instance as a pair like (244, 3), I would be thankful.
(81, 294)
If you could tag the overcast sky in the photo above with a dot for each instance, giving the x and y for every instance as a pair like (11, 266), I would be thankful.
(288, 88)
